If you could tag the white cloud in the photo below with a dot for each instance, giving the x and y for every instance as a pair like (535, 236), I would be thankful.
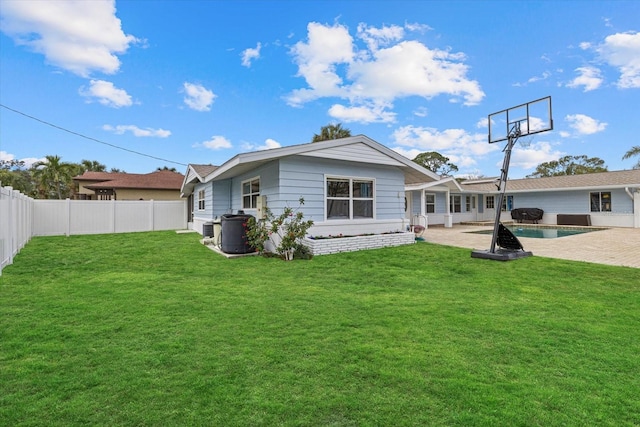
(462, 148)
(28, 161)
(372, 78)
(198, 97)
(529, 157)
(136, 131)
(268, 145)
(622, 50)
(106, 94)
(75, 35)
(376, 37)
(584, 125)
(216, 142)
(361, 114)
(250, 54)
(589, 77)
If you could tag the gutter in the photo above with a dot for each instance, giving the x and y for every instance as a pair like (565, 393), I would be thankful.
(629, 192)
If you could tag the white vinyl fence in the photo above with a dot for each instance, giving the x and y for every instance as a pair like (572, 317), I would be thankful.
(22, 218)
(16, 213)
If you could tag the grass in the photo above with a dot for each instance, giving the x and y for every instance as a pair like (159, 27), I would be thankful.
(155, 329)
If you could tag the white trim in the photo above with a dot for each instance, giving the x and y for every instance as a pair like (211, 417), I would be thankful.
(351, 199)
(251, 194)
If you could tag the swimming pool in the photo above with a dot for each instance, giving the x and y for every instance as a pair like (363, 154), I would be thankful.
(542, 232)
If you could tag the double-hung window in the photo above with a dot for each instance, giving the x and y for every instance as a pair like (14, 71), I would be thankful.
(600, 201)
(201, 200)
(349, 198)
(250, 193)
(429, 203)
(455, 203)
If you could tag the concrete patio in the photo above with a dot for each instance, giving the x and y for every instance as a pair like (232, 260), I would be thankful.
(613, 246)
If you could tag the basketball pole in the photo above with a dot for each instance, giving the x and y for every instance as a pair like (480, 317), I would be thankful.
(514, 134)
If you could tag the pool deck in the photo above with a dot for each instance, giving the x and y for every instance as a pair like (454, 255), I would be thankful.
(613, 246)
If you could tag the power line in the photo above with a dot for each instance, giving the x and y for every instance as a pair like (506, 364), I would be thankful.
(90, 138)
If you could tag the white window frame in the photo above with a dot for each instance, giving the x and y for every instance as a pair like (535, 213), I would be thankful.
(351, 198)
(202, 200)
(452, 204)
(253, 196)
(491, 198)
(427, 203)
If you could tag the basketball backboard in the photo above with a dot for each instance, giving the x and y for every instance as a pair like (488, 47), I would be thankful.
(521, 120)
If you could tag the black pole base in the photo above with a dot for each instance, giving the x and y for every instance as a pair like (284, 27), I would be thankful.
(501, 254)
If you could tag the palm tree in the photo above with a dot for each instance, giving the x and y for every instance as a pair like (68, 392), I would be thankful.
(331, 132)
(53, 176)
(633, 151)
(92, 166)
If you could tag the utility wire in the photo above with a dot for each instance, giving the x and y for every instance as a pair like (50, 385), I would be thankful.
(90, 138)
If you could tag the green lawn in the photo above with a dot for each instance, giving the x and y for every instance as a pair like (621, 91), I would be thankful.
(155, 329)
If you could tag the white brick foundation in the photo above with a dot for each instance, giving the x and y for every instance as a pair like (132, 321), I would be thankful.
(357, 243)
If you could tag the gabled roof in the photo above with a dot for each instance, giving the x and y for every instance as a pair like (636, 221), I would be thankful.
(195, 173)
(449, 183)
(358, 148)
(158, 180)
(601, 180)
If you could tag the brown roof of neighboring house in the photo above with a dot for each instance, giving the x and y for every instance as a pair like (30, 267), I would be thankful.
(625, 178)
(158, 180)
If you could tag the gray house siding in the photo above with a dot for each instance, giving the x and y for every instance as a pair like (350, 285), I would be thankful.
(571, 202)
(301, 176)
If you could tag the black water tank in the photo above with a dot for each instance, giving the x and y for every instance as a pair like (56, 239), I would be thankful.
(234, 234)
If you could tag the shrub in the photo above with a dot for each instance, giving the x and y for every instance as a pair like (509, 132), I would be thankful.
(290, 226)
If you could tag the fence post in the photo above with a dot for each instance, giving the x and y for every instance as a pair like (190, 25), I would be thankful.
(152, 215)
(12, 227)
(68, 206)
(113, 215)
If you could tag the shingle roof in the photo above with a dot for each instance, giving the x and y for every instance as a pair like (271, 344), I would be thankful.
(203, 170)
(158, 180)
(624, 178)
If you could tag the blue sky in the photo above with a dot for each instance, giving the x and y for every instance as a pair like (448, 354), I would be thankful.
(200, 81)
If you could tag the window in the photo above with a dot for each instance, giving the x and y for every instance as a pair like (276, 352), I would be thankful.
(349, 198)
(430, 203)
(250, 193)
(468, 204)
(600, 201)
(455, 204)
(201, 203)
(490, 202)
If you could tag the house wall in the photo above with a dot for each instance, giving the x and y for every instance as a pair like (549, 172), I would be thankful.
(577, 202)
(138, 194)
(284, 181)
(302, 176)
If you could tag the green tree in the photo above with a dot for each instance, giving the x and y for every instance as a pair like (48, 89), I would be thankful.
(569, 165)
(13, 174)
(54, 177)
(633, 151)
(331, 132)
(91, 166)
(436, 163)
(166, 168)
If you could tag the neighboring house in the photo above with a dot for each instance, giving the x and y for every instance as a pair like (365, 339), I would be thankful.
(350, 186)
(611, 199)
(158, 185)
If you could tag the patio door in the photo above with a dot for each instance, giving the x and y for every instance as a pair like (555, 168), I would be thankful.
(408, 205)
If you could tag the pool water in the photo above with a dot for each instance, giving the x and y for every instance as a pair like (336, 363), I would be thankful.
(541, 232)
